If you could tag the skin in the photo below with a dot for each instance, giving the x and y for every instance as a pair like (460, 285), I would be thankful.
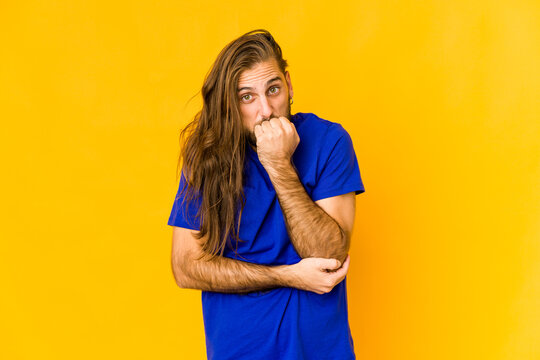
(264, 94)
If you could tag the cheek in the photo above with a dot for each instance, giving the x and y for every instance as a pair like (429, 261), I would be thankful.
(281, 101)
(247, 114)
(244, 109)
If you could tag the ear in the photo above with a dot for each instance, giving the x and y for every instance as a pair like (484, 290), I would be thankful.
(289, 84)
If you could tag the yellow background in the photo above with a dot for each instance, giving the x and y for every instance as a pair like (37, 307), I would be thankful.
(441, 98)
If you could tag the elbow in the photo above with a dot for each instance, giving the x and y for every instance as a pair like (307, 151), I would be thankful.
(343, 248)
(342, 257)
(338, 250)
(180, 273)
(342, 243)
(181, 281)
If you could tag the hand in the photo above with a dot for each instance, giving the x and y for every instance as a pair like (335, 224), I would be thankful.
(277, 140)
(318, 275)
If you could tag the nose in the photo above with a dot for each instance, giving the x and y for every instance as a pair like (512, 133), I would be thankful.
(265, 109)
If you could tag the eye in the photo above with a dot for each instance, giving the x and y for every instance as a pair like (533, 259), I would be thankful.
(274, 90)
(246, 97)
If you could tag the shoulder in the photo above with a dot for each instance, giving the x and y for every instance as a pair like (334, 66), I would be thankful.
(309, 125)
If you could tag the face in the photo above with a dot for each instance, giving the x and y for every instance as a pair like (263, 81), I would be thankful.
(263, 93)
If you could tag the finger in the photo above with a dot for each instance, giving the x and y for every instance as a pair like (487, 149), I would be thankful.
(258, 129)
(347, 260)
(266, 126)
(330, 264)
(275, 123)
(340, 274)
(346, 263)
(284, 122)
(287, 126)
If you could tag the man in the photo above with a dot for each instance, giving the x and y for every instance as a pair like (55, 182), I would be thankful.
(264, 213)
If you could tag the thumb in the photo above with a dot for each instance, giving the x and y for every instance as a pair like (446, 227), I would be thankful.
(330, 264)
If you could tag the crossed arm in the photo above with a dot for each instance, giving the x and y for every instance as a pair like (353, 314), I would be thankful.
(316, 229)
(320, 232)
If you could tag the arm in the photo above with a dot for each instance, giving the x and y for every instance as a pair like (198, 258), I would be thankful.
(234, 276)
(313, 232)
(319, 229)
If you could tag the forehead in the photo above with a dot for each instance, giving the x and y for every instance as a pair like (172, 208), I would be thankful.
(259, 74)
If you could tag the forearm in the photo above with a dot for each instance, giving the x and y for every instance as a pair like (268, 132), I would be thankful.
(312, 231)
(222, 274)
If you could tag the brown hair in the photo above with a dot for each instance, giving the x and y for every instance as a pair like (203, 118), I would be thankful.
(214, 142)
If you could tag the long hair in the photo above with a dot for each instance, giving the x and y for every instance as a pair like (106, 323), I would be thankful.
(213, 144)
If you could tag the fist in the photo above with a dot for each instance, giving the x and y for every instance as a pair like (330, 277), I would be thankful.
(318, 275)
(277, 140)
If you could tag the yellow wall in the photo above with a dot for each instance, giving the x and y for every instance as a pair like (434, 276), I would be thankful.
(441, 99)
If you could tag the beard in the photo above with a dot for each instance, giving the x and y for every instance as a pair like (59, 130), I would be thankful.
(251, 138)
(250, 134)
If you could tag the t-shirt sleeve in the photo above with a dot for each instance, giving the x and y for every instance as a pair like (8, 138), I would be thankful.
(184, 214)
(340, 173)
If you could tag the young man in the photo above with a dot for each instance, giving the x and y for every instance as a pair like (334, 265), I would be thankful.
(264, 213)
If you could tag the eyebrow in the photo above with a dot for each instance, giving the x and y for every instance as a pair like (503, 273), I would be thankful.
(267, 83)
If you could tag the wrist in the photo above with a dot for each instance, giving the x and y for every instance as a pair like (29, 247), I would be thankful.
(285, 275)
(278, 167)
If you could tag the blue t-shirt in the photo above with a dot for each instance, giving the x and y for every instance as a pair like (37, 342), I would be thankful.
(282, 323)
